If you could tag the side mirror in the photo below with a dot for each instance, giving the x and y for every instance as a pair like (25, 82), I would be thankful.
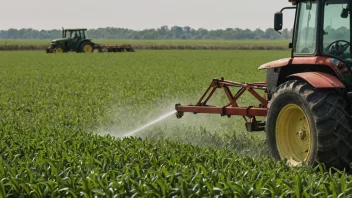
(278, 21)
(345, 12)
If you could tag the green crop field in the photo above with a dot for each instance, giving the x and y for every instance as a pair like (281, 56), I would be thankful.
(158, 42)
(18, 45)
(63, 119)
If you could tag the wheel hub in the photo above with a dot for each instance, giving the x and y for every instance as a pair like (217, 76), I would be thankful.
(302, 134)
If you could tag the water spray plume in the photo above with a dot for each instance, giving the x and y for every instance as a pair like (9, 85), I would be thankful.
(150, 123)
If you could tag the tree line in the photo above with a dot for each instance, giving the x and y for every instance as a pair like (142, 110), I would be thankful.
(164, 32)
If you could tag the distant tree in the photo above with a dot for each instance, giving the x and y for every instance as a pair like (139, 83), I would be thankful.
(150, 34)
(164, 32)
(187, 29)
(285, 34)
(343, 33)
(136, 37)
(202, 33)
(240, 34)
(177, 31)
(270, 33)
(258, 34)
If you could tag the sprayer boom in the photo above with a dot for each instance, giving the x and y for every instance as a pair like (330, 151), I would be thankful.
(232, 108)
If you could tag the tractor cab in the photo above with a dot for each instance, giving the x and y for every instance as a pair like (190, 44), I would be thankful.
(74, 33)
(322, 28)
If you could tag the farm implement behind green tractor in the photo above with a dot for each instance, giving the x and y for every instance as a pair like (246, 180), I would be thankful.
(75, 40)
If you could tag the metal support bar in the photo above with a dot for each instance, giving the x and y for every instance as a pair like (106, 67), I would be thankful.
(250, 112)
(232, 108)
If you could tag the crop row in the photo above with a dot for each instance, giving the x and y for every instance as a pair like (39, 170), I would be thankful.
(161, 47)
(86, 165)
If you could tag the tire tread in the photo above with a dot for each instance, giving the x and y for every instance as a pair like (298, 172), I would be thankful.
(332, 122)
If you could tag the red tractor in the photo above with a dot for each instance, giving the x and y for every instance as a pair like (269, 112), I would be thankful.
(307, 102)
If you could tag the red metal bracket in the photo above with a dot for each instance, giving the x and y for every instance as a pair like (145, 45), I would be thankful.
(232, 108)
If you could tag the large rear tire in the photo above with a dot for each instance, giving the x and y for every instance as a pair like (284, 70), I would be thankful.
(86, 47)
(306, 125)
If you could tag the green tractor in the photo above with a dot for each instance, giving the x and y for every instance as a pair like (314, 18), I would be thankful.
(74, 40)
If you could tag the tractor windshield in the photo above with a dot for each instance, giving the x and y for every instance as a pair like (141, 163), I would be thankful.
(307, 27)
(71, 34)
(337, 32)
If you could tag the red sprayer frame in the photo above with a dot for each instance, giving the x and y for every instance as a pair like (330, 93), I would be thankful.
(232, 108)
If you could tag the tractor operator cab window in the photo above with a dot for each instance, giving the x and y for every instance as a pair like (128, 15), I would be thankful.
(337, 34)
(70, 35)
(67, 34)
(82, 33)
(74, 35)
(306, 28)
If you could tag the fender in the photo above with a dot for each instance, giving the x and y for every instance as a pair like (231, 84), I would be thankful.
(277, 63)
(82, 41)
(319, 79)
(314, 60)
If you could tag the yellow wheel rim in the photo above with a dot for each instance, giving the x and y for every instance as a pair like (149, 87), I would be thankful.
(59, 50)
(293, 136)
(87, 48)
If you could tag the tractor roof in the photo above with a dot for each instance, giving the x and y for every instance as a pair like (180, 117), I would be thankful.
(294, 2)
(75, 29)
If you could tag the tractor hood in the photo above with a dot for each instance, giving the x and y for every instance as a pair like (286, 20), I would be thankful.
(58, 40)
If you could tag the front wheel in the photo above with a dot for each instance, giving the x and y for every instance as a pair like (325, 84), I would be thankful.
(59, 50)
(309, 125)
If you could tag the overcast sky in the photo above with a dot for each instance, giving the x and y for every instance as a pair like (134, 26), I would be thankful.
(141, 14)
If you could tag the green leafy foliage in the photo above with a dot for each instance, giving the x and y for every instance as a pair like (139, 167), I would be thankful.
(21, 45)
(61, 115)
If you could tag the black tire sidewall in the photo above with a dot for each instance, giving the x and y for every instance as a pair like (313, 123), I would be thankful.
(283, 98)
